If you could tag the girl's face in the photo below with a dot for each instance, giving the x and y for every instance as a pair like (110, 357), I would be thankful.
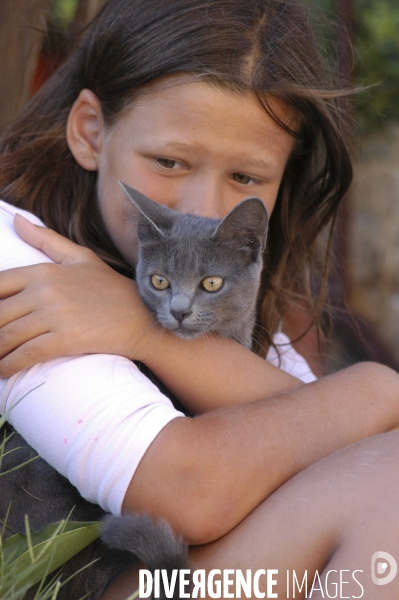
(192, 147)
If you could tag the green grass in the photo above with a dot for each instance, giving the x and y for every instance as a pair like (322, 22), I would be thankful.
(26, 560)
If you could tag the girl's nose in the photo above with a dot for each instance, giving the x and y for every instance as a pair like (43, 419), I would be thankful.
(204, 198)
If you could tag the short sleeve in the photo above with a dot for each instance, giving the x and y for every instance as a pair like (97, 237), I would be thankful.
(91, 417)
(288, 359)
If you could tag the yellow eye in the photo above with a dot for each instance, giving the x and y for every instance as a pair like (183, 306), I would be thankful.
(212, 284)
(159, 282)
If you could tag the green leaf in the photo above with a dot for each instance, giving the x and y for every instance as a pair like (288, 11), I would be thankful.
(64, 9)
(27, 559)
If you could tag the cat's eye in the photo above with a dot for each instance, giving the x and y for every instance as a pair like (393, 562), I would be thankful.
(159, 282)
(212, 284)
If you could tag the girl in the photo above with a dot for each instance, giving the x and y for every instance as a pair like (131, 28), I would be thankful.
(197, 105)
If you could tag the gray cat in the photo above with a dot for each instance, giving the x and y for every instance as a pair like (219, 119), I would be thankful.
(196, 275)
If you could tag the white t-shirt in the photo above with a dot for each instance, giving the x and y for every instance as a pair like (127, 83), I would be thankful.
(92, 417)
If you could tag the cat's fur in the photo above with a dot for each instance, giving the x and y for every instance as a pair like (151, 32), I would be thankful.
(185, 249)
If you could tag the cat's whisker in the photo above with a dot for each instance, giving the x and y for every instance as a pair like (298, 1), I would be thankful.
(157, 334)
(144, 331)
(258, 326)
(277, 347)
(253, 338)
(160, 331)
(152, 329)
(207, 336)
(215, 339)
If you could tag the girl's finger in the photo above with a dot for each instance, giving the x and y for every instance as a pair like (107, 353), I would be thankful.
(14, 308)
(12, 281)
(19, 332)
(40, 349)
(55, 246)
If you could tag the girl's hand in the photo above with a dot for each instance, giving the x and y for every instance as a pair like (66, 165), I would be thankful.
(79, 305)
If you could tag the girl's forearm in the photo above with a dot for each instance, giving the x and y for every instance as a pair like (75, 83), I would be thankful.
(204, 475)
(212, 372)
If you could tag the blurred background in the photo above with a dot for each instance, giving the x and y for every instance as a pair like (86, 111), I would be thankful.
(363, 36)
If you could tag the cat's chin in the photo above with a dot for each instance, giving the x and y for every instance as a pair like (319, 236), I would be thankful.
(186, 334)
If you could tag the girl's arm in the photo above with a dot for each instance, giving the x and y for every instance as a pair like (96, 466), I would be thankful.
(212, 372)
(205, 475)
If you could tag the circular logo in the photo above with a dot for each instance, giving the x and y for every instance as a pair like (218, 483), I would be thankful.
(380, 561)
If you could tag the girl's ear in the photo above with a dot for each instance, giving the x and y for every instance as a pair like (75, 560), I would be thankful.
(85, 129)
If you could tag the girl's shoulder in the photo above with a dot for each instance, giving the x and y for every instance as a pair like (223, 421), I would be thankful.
(14, 252)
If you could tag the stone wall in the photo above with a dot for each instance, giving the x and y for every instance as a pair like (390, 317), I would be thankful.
(374, 236)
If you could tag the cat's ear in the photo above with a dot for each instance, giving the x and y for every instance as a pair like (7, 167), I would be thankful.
(246, 224)
(153, 220)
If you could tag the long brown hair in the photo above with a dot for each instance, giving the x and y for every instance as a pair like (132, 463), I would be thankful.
(263, 46)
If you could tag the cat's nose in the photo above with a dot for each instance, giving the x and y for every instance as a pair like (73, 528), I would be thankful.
(180, 307)
(180, 315)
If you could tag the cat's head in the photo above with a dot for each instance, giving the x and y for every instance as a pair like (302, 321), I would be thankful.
(199, 274)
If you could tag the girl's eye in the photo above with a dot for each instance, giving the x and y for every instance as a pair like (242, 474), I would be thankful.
(212, 284)
(242, 178)
(159, 282)
(167, 163)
